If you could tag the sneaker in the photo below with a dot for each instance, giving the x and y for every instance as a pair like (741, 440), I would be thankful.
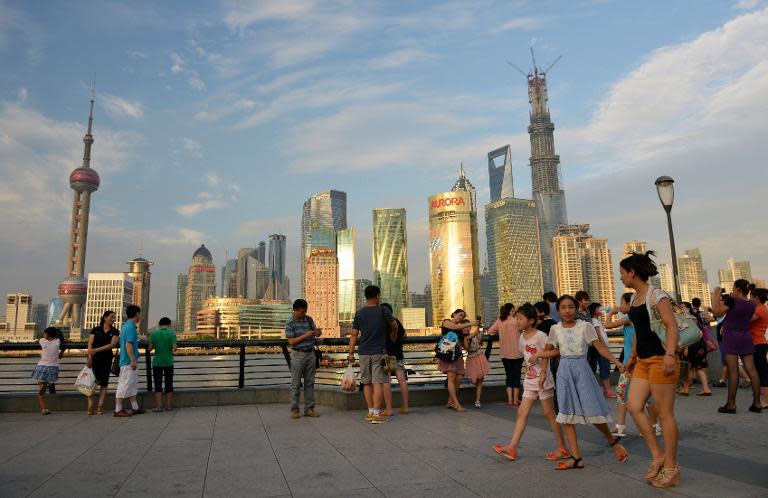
(122, 413)
(657, 428)
(369, 417)
(295, 413)
(378, 419)
(619, 431)
(478, 405)
(310, 412)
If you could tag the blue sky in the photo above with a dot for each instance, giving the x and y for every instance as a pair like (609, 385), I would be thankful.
(215, 121)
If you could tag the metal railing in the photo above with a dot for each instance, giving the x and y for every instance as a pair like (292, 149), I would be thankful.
(228, 364)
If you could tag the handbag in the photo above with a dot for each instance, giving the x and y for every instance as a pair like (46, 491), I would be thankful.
(688, 331)
(389, 364)
(711, 344)
(115, 369)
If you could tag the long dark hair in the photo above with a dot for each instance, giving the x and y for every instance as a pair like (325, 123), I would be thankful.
(104, 318)
(505, 311)
(641, 264)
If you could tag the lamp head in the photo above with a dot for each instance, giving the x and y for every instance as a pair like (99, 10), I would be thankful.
(666, 189)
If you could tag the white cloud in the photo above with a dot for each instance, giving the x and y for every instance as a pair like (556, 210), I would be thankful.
(400, 58)
(521, 23)
(192, 146)
(22, 95)
(119, 107)
(212, 179)
(177, 63)
(196, 83)
(198, 207)
(747, 4)
(262, 226)
(136, 54)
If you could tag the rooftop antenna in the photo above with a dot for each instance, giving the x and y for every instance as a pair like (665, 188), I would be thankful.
(533, 56)
(141, 249)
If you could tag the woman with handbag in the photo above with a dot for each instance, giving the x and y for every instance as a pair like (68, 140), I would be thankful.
(739, 311)
(654, 366)
(102, 340)
(455, 370)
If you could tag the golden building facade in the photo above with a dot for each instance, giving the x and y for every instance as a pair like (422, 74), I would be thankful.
(454, 254)
(322, 290)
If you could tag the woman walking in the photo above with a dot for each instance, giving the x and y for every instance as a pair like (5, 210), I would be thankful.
(477, 364)
(101, 342)
(454, 370)
(509, 350)
(758, 329)
(654, 366)
(737, 341)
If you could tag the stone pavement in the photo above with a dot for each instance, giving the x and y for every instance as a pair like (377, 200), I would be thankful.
(257, 450)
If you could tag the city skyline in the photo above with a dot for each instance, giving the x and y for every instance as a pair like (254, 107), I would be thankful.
(609, 143)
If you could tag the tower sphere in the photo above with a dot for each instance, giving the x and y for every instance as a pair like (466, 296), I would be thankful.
(73, 290)
(84, 179)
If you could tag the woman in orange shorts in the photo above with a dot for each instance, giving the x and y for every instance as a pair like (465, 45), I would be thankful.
(656, 367)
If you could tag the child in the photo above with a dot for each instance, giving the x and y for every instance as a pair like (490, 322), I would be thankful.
(477, 364)
(579, 396)
(47, 370)
(537, 385)
(622, 388)
(163, 341)
(595, 310)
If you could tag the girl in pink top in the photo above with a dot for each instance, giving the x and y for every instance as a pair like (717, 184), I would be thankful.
(509, 350)
(538, 384)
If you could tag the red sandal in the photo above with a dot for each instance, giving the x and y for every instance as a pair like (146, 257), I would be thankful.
(578, 463)
(501, 450)
(558, 454)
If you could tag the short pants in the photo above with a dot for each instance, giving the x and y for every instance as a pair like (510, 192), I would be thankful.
(537, 393)
(650, 369)
(622, 390)
(371, 371)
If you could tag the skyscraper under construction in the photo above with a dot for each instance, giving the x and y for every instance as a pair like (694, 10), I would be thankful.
(548, 191)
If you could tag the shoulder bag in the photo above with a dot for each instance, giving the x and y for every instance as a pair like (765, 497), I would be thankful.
(388, 362)
(688, 331)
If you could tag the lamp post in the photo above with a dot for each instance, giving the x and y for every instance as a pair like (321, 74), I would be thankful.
(665, 187)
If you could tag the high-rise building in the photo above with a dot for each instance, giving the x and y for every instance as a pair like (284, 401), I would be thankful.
(734, 270)
(138, 270)
(322, 290)
(257, 278)
(17, 326)
(454, 251)
(54, 310)
(514, 256)
(693, 278)
(39, 316)
(583, 262)
(360, 285)
(666, 278)
(725, 278)
(413, 318)
(328, 209)
(242, 270)
(390, 256)
(108, 292)
(201, 284)
(229, 278)
(84, 181)
(416, 300)
(279, 286)
(638, 247)
(220, 317)
(548, 191)
(500, 177)
(261, 253)
(345, 253)
(181, 300)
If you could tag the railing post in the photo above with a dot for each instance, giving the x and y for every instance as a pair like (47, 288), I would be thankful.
(148, 367)
(241, 378)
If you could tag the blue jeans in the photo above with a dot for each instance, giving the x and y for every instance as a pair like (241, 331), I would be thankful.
(605, 367)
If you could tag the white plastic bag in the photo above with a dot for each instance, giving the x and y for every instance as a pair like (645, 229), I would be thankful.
(349, 380)
(86, 381)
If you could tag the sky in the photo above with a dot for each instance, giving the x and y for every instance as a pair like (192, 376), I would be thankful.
(214, 121)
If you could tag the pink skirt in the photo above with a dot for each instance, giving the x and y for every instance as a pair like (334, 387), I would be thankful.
(477, 367)
(451, 366)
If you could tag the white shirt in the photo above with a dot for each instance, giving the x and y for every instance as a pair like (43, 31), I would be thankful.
(573, 341)
(603, 333)
(49, 357)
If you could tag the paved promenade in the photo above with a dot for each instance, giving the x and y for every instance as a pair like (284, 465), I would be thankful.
(259, 451)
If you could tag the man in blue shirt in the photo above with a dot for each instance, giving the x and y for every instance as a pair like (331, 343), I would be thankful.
(300, 330)
(373, 323)
(128, 381)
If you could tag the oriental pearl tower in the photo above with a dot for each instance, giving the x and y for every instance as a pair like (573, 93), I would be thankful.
(83, 180)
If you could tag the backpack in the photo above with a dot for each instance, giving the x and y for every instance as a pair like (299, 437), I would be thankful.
(448, 348)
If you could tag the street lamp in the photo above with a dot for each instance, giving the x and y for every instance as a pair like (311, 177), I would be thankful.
(665, 187)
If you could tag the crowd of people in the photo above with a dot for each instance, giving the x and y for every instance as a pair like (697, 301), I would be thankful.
(553, 351)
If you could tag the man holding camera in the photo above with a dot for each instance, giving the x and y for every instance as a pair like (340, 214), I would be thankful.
(300, 330)
(372, 323)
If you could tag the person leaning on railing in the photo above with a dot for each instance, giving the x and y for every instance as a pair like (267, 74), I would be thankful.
(300, 330)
